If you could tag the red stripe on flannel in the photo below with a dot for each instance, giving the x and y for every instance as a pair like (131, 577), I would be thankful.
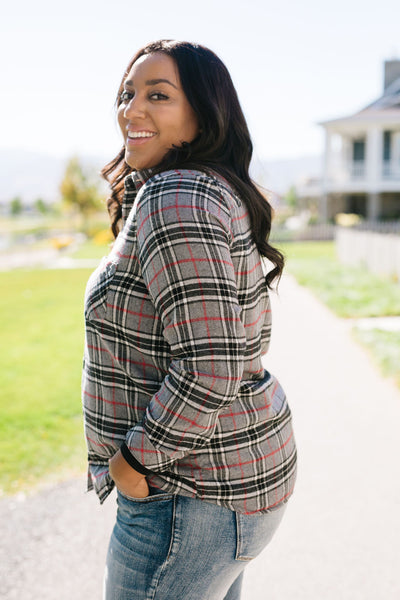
(166, 208)
(243, 216)
(263, 312)
(190, 260)
(281, 499)
(245, 412)
(261, 370)
(133, 312)
(181, 417)
(129, 256)
(105, 400)
(98, 475)
(96, 443)
(249, 271)
(121, 359)
(247, 462)
(201, 319)
(200, 374)
(98, 349)
(142, 451)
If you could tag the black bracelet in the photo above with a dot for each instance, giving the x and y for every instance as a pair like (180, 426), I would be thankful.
(131, 460)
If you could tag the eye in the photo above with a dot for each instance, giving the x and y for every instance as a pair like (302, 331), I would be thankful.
(158, 96)
(126, 96)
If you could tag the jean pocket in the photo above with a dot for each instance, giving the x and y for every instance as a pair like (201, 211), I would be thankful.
(154, 496)
(254, 532)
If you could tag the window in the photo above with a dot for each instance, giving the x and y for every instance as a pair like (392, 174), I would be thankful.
(359, 150)
(387, 145)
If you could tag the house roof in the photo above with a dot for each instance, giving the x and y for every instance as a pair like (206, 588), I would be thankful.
(385, 107)
(389, 99)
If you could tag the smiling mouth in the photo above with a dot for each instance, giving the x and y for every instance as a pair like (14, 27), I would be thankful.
(134, 135)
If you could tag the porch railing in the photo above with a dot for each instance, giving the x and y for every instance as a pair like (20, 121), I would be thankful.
(391, 169)
(357, 169)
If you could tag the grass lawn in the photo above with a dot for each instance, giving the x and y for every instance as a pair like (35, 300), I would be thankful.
(41, 433)
(348, 291)
(91, 250)
(384, 347)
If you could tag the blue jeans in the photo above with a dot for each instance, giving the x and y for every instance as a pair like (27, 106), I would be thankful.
(171, 547)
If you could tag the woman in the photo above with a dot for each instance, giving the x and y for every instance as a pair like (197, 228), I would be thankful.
(180, 414)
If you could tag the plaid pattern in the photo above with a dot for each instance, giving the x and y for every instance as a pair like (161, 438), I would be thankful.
(177, 320)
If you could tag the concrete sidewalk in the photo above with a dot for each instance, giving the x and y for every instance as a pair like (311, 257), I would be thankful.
(340, 538)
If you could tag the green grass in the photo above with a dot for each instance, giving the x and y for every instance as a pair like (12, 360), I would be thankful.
(41, 316)
(384, 347)
(91, 250)
(347, 291)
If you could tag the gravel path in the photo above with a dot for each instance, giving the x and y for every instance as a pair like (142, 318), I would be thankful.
(340, 539)
(54, 544)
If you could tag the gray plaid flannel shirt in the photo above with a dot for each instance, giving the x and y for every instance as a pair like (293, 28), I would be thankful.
(177, 321)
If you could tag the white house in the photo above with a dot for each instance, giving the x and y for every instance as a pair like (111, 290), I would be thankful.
(362, 158)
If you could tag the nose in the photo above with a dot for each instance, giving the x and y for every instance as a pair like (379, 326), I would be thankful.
(134, 108)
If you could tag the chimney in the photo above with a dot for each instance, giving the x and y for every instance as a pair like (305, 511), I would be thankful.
(392, 72)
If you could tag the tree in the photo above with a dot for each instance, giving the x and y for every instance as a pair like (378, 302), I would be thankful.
(291, 198)
(79, 190)
(16, 206)
(41, 206)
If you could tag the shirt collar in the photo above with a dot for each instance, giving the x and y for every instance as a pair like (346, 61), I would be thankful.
(133, 182)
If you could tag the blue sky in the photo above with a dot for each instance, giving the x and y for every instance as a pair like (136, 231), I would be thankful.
(293, 64)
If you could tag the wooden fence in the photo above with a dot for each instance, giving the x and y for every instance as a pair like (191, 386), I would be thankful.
(377, 248)
(323, 231)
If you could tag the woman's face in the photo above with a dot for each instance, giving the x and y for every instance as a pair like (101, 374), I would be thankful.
(154, 114)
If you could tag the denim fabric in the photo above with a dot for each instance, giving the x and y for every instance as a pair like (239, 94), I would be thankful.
(171, 547)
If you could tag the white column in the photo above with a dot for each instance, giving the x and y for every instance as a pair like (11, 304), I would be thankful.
(373, 206)
(326, 175)
(345, 158)
(395, 162)
(374, 171)
(374, 158)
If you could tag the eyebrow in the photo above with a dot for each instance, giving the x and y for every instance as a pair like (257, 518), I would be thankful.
(152, 82)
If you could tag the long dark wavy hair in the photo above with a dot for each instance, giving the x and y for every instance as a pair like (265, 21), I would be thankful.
(223, 144)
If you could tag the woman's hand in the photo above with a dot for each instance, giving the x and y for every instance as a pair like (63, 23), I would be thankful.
(128, 481)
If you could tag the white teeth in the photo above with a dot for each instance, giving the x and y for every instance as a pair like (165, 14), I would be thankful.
(140, 134)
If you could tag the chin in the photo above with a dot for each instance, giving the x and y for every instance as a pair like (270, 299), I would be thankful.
(136, 164)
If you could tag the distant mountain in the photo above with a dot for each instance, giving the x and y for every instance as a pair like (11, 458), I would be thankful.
(31, 175)
(279, 175)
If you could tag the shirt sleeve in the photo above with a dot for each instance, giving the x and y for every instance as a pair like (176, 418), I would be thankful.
(184, 237)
